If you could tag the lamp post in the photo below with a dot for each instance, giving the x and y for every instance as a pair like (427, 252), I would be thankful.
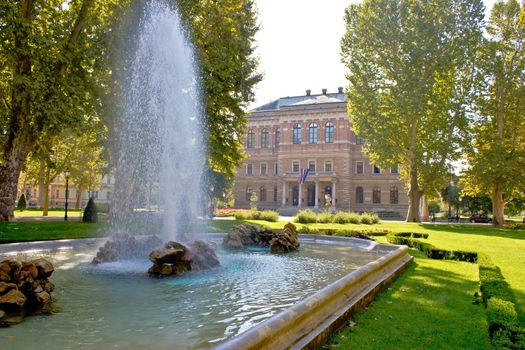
(67, 191)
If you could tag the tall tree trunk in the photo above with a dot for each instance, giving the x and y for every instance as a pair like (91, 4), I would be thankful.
(414, 194)
(498, 207)
(46, 197)
(78, 197)
(20, 139)
(41, 182)
(424, 213)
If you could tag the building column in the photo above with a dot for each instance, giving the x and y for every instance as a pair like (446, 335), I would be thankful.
(316, 194)
(284, 194)
(333, 193)
(300, 201)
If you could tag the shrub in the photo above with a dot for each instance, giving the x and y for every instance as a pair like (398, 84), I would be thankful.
(90, 213)
(325, 217)
(516, 226)
(369, 219)
(306, 217)
(342, 217)
(501, 315)
(309, 230)
(269, 215)
(242, 215)
(22, 204)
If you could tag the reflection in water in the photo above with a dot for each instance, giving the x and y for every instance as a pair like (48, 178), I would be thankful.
(119, 305)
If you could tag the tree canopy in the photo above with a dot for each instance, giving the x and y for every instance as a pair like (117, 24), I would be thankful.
(410, 72)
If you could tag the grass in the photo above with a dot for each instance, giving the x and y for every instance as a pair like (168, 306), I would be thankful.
(428, 307)
(51, 212)
(41, 231)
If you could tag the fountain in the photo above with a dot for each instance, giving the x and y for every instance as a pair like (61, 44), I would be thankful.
(253, 300)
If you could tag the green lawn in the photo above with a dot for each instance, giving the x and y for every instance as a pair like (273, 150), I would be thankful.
(52, 212)
(428, 307)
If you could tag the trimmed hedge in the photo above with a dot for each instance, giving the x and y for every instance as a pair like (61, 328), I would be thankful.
(515, 226)
(341, 217)
(306, 217)
(411, 235)
(504, 329)
(341, 232)
(429, 250)
(267, 215)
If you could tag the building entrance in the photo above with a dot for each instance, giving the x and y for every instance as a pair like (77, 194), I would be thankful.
(311, 195)
(295, 195)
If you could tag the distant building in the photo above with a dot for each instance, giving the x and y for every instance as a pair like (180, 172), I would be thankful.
(312, 132)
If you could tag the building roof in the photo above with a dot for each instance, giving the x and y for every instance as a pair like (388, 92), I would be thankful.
(336, 97)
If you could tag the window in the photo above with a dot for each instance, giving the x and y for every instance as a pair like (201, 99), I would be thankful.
(277, 136)
(377, 170)
(359, 141)
(329, 132)
(311, 165)
(108, 181)
(251, 139)
(275, 194)
(312, 134)
(295, 166)
(93, 194)
(376, 195)
(328, 165)
(57, 194)
(264, 138)
(394, 195)
(108, 195)
(264, 168)
(359, 167)
(394, 169)
(248, 193)
(249, 169)
(359, 195)
(276, 168)
(262, 194)
(297, 134)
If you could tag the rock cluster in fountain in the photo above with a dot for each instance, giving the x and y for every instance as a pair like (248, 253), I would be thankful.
(122, 246)
(25, 290)
(249, 234)
(176, 258)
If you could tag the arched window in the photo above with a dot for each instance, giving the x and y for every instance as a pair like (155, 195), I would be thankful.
(312, 134)
(251, 139)
(277, 136)
(264, 138)
(394, 195)
(329, 132)
(262, 194)
(359, 195)
(376, 195)
(297, 134)
(249, 192)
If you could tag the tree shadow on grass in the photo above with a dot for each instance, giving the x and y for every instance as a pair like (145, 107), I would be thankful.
(472, 229)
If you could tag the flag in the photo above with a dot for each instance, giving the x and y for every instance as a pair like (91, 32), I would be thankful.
(304, 174)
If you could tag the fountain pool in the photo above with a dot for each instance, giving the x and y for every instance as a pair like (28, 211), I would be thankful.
(117, 305)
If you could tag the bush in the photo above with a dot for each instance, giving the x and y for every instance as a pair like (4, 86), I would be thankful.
(22, 204)
(306, 217)
(516, 226)
(90, 213)
(325, 217)
(269, 215)
(343, 217)
(369, 219)
(501, 315)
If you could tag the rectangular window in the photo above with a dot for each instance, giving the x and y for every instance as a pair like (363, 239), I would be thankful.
(394, 169)
(275, 194)
(377, 170)
(359, 141)
(108, 195)
(58, 194)
(328, 166)
(108, 181)
(264, 168)
(295, 166)
(276, 168)
(311, 165)
(249, 169)
(359, 167)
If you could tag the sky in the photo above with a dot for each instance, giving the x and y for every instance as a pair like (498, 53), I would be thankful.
(298, 47)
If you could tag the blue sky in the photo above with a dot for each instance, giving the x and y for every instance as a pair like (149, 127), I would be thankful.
(298, 46)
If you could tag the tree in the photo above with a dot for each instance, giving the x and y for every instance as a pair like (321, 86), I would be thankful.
(223, 33)
(49, 54)
(410, 67)
(90, 212)
(21, 203)
(497, 157)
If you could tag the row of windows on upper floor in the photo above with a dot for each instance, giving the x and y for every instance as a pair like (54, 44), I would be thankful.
(329, 135)
(359, 194)
(312, 167)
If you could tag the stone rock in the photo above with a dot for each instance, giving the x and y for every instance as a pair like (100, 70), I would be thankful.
(125, 246)
(286, 240)
(4, 287)
(176, 258)
(48, 286)
(43, 297)
(28, 271)
(2, 314)
(44, 267)
(38, 290)
(12, 298)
